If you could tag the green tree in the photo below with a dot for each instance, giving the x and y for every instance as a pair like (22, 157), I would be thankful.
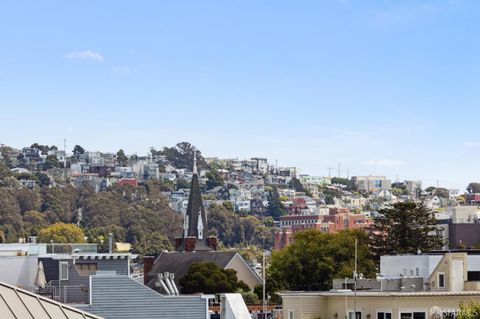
(181, 183)
(33, 222)
(343, 181)
(10, 211)
(275, 207)
(442, 192)
(61, 233)
(315, 258)
(214, 179)
(181, 155)
(28, 199)
(473, 188)
(296, 185)
(122, 159)
(329, 200)
(430, 189)
(50, 162)
(404, 228)
(42, 178)
(208, 278)
(470, 310)
(151, 244)
(77, 151)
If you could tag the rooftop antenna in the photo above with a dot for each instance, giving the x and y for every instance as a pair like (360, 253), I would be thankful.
(65, 159)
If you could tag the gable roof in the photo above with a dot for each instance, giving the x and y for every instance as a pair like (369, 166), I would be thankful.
(179, 262)
(19, 303)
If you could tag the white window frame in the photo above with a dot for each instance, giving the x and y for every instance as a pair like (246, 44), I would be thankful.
(291, 314)
(384, 310)
(61, 272)
(438, 280)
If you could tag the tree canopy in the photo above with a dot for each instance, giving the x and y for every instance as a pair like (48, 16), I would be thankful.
(77, 151)
(405, 227)
(61, 233)
(122, 159)
(473, 188)
(181, 155)
(275, 207)
(208, 278)
(315, 258)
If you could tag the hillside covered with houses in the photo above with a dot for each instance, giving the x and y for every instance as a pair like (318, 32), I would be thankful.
(142, 199)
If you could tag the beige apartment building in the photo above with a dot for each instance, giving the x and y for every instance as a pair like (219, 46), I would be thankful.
(447, 286)
(374, 305)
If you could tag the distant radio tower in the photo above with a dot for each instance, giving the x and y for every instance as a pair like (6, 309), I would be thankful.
(65, 159)
(330, 172)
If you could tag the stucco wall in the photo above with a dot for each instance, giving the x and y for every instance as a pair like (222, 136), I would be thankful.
(19, 271)
(333, 307)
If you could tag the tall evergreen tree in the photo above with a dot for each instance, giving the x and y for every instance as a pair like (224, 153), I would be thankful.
(275, 206)
(403, 228)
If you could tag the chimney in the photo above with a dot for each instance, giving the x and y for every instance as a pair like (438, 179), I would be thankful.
(147, 266)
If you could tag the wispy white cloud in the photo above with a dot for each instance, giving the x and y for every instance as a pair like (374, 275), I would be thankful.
(85, 55)
(383, 162)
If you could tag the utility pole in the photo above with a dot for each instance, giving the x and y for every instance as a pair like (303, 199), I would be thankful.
(264, 284)
(355, 281)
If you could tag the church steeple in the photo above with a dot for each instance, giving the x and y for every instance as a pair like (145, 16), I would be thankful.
(194, 162)
(195, 222)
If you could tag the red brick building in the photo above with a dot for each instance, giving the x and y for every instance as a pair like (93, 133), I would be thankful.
(338, 219)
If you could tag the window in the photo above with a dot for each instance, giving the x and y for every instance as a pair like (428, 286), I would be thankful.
(63, 270)
(290, 314)
(357, 316)
(412, 315)
(417, 272)
(384, 315)
(441, 280)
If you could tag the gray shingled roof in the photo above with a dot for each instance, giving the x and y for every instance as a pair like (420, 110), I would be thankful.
(18, 303)
(121, 297)
(179, 263)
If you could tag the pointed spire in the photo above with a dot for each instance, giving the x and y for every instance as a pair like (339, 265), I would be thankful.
(194, 161)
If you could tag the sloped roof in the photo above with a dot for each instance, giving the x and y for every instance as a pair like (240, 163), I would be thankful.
(19, 303)
(179, 262)
(121, 297)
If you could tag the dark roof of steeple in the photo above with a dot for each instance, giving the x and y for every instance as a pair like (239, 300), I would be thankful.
(195, 208)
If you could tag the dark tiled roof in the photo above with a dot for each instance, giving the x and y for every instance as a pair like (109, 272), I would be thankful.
(179, 263)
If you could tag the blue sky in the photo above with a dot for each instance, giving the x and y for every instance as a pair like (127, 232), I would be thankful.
(384, 87)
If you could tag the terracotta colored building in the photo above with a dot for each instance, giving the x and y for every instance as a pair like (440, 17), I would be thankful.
(338, 219)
